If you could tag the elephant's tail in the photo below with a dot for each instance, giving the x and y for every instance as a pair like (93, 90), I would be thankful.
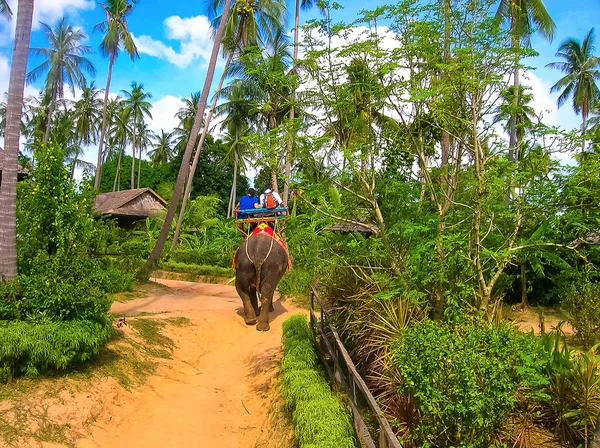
(257, 267)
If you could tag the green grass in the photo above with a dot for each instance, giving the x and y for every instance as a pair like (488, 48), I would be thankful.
(319, 416)
(196, 269)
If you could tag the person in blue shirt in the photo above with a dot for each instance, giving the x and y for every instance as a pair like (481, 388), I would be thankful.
(247, 202)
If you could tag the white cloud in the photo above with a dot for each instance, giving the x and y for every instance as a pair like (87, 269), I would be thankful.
(47, 11)
(163, 113)
(195, 41)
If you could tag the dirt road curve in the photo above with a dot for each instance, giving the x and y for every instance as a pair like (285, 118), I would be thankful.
(218, 389)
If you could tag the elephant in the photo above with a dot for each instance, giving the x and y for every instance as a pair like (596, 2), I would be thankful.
(260, 262)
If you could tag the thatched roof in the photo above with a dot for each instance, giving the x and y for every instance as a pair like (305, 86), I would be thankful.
(140, 202)
(352, 228)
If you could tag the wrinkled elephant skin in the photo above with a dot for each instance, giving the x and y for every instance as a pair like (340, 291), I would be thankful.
(259, 255)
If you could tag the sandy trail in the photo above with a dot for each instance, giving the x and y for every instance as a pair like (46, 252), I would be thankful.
(217, 389)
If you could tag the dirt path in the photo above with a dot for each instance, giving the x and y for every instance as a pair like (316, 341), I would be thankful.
(217, 389)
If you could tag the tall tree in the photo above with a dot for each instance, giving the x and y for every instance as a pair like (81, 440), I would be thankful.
(304, 4)
(138, 105)
(249, 24)
(116, 36)
(162, 148)
(525, 17)
(582, 71)
(87, 115)
(64, 64)
(14, 108)
(187, 156)
(120, 132)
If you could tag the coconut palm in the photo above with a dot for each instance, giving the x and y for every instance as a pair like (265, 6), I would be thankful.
(14, 107)
(64, 64)
(525, 17)
(120, 135)
(187, 155)
(524, 114)
(116, 37)
(237, 122)
(139, 106)
(582, 71)
(250, 23)
(186, 115)
(304, 4)
(87, 115)
(162, 148)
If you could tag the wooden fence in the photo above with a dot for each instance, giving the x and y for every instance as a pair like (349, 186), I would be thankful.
(369, 422)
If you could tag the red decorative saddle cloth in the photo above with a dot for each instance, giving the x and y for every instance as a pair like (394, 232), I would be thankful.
(267, 230)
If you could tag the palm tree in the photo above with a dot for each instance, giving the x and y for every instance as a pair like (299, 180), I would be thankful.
(304, 4)
(238, 123)
(5, 10)
(250, 23)
(143, 140)
(116, 36)
(524, 114)
(8, 190)
(64, 64)
(87, 115)
(139, 106)
(120, 132)
(187, 155)
(162, 149)
(525, 17)
(582, 70)
(186, 115)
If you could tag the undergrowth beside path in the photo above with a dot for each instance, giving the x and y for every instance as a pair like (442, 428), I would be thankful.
(319, 416)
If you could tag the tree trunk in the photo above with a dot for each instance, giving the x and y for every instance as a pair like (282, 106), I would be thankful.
(192, 171)
(133, 154)
(288, 162)
(523, 285)
(513, 145)
(73, 167)
(584, 113)
(445, 143)
(49, 121)
(274, 181)
(139, 168)
(118, 171)
(103, 130)
(234, 186)
(14, 109)
(185, 163)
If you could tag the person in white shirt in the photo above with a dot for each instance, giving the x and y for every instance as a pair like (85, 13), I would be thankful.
(263, 201)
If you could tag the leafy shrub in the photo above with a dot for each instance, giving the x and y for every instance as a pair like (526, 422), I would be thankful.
(319, 417)
(581, 300)
(465, 380)
(197, 269)
(30, 348)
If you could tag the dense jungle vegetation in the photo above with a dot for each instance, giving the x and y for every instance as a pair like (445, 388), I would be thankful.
(408, 127)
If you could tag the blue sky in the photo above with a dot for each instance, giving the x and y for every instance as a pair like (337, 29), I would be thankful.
(174, 42)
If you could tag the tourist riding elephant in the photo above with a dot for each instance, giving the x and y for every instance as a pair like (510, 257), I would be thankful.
(260, 262)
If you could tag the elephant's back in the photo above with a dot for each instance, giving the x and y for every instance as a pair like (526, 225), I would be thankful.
(261, 247)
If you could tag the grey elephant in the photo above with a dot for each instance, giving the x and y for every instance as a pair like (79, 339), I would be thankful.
(260, 262)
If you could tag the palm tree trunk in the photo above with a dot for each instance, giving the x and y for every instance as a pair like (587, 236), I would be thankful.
(188, 185)
(234, 185)
(139, 168)
(513, 143)
(133, 155)
(14, 109)
(49, 121)
(184, 170)
(584, 113)
(117, 174)
(288, 154)
(103, 130)
(74, 163)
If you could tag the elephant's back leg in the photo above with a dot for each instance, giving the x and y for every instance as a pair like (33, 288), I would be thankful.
(245, 275)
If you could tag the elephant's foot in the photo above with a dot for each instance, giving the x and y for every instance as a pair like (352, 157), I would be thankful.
(263, 326)
(250, 321)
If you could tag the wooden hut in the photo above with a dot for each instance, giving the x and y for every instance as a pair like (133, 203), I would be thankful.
(344, 227)
(22, 173)
(129, 206)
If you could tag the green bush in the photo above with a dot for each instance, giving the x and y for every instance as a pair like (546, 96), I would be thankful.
(464, 380)
(217, 271)
(30, 348)
(581, 301)
(319, 417)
